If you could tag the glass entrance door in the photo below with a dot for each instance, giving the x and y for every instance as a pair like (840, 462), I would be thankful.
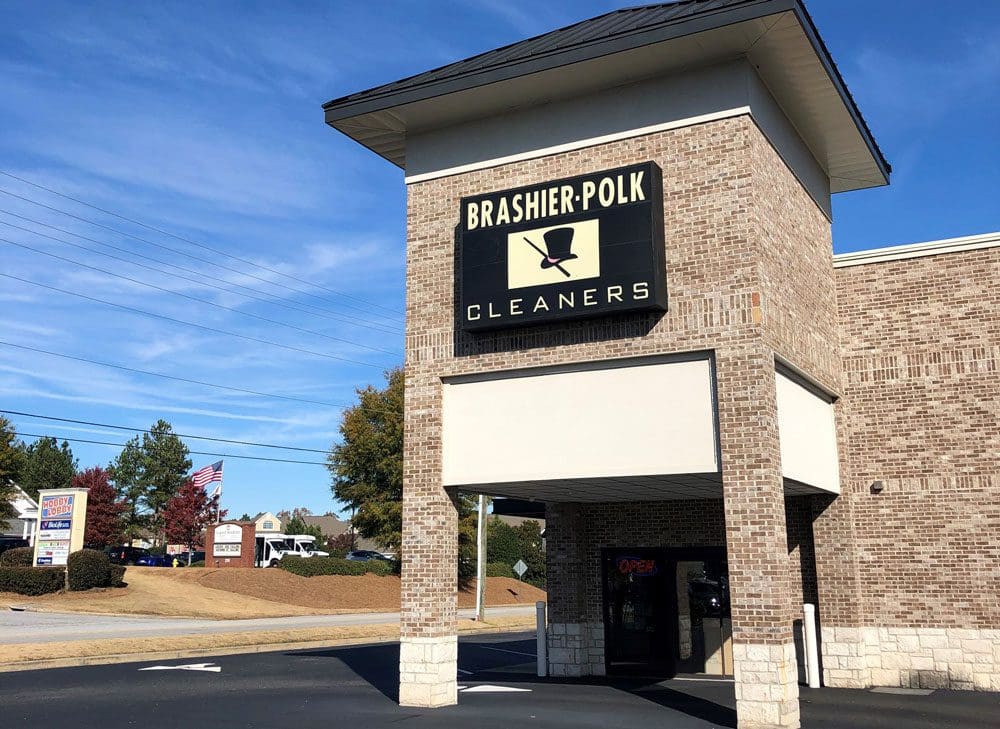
(666, 611)
(704, 628)
(636, 611)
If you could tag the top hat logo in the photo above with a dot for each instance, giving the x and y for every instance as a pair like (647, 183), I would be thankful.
(558, 242)
(541, 256)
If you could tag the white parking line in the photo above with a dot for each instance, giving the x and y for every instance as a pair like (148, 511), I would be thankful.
(504, 650)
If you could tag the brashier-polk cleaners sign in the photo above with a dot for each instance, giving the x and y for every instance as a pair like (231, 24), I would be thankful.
(579, 247)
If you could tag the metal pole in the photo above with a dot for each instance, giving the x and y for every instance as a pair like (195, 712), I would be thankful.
(540, 649)
(809, 635)
(481, 560)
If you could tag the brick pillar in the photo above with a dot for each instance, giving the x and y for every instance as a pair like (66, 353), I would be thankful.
(575, 632)
(842, 635)
(428, 646)
(764, 661)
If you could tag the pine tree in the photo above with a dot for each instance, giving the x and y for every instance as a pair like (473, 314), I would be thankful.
(47, 465)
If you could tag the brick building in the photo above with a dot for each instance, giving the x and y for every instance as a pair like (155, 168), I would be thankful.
(723, 419)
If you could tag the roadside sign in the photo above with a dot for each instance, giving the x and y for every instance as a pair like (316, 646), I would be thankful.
(520, 568)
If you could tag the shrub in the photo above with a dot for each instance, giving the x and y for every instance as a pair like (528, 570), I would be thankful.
(18, 557)
(314, 566)
(499, 569)
(88, 569)
(117, 576)
(32, 580)
(199, 563)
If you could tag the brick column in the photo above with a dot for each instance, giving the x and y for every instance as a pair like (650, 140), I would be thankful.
(764, 661)
(575, 632)
(428, 646)
(842, 635)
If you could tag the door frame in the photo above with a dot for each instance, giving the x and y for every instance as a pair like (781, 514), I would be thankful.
(670, 556)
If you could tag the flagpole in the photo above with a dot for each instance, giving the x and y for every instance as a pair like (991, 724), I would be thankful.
(218, 504)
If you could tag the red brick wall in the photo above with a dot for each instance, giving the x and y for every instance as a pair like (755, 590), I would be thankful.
(246, 550)
(921, 348)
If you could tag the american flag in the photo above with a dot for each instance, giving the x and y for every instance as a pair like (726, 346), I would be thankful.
(204, 476)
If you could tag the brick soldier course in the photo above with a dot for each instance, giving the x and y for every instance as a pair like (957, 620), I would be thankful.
(905, 342)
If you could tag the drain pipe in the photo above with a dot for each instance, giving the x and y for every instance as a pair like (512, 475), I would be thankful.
(809, 636)
(540, 648)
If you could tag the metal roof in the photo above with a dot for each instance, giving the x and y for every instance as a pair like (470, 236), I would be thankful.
(609, 25)
(614, 32)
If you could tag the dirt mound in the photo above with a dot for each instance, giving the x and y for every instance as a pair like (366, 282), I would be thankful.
(336, 593)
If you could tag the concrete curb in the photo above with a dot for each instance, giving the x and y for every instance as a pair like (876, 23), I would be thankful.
(221, 651)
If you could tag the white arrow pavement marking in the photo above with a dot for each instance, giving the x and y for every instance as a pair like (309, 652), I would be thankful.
(486, 688)
(187, 667)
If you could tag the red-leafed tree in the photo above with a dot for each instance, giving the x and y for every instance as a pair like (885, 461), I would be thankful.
(105, 513)
(188, 513)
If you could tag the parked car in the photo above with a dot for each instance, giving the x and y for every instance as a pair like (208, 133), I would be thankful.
(155, 560)
(12, 543)
(126, 555)
(182, 558)
(366, 555)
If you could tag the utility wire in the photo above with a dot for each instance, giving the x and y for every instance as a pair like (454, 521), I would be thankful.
(194, 453)
(178, 252)
(186, 380)
(201, 281)
(191, 323)
(36, 416)
(313, 332)
(193, 242)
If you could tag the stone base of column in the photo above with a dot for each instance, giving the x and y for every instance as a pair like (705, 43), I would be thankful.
(576, 649)
(844, 658)
(767, 688)
(428, 671)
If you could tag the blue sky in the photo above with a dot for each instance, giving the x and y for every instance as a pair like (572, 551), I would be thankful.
(204, 120)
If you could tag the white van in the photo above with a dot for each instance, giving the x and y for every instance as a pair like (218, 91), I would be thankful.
(271, 548)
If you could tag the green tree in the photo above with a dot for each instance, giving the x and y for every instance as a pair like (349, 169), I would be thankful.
(165, 467)
(507, 544)
(127, 473)
(367, 465)
(296, 525)
(148, 473)
(11, 463)
(47, 465)
(366, 470)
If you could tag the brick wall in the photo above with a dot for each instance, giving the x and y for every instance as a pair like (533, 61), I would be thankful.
(748, 273)
(921, 341)
(921, 409)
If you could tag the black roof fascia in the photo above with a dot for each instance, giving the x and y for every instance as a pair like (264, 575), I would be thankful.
(346, 107)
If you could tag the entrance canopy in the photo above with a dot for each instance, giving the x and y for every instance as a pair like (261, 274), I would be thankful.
(627, 430)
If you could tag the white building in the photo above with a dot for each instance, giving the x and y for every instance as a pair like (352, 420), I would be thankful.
(23, 524)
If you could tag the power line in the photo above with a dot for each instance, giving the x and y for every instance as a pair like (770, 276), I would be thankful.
(186, 380)
(270, 298)
(313, 332)
(194, 453)
(178, 252)
(192, 242)
(36, 416)
(191, 323)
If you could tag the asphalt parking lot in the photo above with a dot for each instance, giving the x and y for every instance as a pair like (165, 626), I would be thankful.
(356, 687)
